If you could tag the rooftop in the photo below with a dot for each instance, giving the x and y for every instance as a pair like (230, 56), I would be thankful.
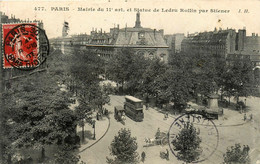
(133, 98)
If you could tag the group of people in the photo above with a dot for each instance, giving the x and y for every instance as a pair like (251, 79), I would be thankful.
(104, 111)
(250, 117)
(165, 155)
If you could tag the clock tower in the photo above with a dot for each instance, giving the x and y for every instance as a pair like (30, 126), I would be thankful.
(138, 22)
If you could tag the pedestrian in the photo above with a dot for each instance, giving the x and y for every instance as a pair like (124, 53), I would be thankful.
(143, 156)
(166, 114)
(147, 106)
(251, 117)
(245, 117)
(241, 108)
(167, 154)
(97, 117)
(158, 133)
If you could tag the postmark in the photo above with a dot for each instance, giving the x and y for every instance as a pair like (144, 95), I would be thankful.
(206, 129)
(26, 46)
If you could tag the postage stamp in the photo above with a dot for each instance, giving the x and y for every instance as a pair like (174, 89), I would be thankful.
(25, 46)
(205, 129)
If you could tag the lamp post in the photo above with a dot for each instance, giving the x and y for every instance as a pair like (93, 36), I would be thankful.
(94, 124)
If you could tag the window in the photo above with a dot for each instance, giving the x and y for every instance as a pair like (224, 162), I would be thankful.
(141, 35)
(150, 55)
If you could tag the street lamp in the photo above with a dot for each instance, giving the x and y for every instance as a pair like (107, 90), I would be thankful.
(94, 136)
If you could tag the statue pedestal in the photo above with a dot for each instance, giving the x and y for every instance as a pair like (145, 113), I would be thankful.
(213, 103)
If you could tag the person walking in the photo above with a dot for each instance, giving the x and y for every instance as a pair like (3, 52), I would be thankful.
(251, 117)
(167, 154)
(143, 156)
(245, 117)
(147, 106)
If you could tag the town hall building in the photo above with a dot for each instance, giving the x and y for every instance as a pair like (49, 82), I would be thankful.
(146, 41)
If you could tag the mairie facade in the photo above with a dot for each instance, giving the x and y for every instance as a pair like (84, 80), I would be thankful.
(146, 41)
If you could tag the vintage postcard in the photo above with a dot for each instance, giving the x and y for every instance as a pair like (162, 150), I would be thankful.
(130, 81)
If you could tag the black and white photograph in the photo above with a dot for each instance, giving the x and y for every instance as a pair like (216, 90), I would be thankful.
(130, 82)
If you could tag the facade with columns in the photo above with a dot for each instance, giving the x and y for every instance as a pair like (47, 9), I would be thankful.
(146, 41)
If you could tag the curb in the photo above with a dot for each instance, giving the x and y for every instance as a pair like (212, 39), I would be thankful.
(99, 138)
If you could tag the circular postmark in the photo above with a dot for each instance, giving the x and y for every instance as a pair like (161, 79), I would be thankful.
(206, 130)
(26, 47)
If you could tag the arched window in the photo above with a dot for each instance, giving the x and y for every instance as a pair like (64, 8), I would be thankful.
(151, 55)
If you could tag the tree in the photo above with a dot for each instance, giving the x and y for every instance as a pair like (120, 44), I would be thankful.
(119, 66)
(66, 155)
(124, 147)
(187, 144)
(237, 155)
(152, 80)
(37, 113)
(83, 113)
(238, 79)
(126, 67)
(84, 70)
(98, 97)
(41, 116)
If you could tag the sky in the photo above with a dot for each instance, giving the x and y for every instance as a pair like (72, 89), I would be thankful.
(237, 15)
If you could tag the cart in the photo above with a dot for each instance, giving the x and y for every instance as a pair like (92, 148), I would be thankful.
(119, 114)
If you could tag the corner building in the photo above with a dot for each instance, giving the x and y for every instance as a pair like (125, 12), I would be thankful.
(218, 43)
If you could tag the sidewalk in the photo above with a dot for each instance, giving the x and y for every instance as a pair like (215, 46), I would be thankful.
(101, 128)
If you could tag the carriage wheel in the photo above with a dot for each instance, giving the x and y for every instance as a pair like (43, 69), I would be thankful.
(164, 141)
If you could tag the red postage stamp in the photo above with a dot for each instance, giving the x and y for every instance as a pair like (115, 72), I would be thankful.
(22, 46)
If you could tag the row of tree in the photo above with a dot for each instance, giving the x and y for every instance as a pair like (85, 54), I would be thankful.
(83, 80)
(184, 77)
(36, 113)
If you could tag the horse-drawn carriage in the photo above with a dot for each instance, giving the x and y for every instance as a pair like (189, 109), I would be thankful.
(161, 138)
(119, 114)
(205, 112)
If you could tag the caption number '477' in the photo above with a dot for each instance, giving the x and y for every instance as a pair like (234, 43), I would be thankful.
(39, 9)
